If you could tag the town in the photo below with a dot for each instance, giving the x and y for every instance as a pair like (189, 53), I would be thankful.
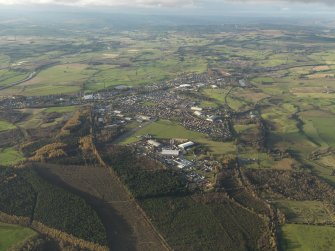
(121, 111)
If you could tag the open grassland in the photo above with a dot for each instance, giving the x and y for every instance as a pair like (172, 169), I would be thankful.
(5, 126)
(41, 117)
(327, 57)
(236, 103)
(10, 156)
(217, 94)
(59, 79)
(8, 77)
(319, 126)
(307, 238)
(255, 159)
(134, 74)
(4, 60)
(12, 236)
(306, 212)
(280, 118)
(236, 100)
(34, 120)
(208, 104)
(262, 80)
(250, 95)
(61, 109)
(164, 129)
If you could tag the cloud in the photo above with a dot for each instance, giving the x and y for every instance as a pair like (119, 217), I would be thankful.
(328, 2)
(131, 3)
(160, 3)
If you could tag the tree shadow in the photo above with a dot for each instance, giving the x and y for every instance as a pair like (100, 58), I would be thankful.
(120, 235)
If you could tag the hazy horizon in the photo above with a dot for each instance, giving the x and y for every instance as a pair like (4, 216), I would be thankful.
(246, 8)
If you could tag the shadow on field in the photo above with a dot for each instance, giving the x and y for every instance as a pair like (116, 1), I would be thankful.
(119, 233)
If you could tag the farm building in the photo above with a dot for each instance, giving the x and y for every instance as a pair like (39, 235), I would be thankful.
(168, 152)
(153, 143)
(212, 118)
(197, 113)
(185, 86)
(183, 163)
(195, 108)
(144, 118)
(186, 145)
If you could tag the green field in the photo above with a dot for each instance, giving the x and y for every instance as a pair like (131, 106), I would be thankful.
(165, 129)
(5, 126)
(319, 126)
(217, 94)
(8, 77)
(61, 109)
(37, 117)
(10, 156)
(11, 235)
(148, 73)
(307, 238)
(59, 79)
(305, 212)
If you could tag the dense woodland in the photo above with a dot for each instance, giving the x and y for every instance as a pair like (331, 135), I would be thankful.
(25, 194)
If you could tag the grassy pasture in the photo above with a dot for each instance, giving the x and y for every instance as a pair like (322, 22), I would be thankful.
(10, 156)
(166, 130)
(258, 159)
(11, 235)
(4, 60)
(239, 128)
(305, 212)
(217, 94)
(38, 116)
(5, 126)
(61, 109)
(262, 80)
(319, 125)
(251, 96)
(34, 120)
(326, 57)
(279, 118)
(10, 76)
(307, 238)
(60, 79)
(276, 60)
(135, 74)
(208, 104)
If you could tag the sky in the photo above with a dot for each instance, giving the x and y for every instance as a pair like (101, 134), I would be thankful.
(248, 7)
(161, 3)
